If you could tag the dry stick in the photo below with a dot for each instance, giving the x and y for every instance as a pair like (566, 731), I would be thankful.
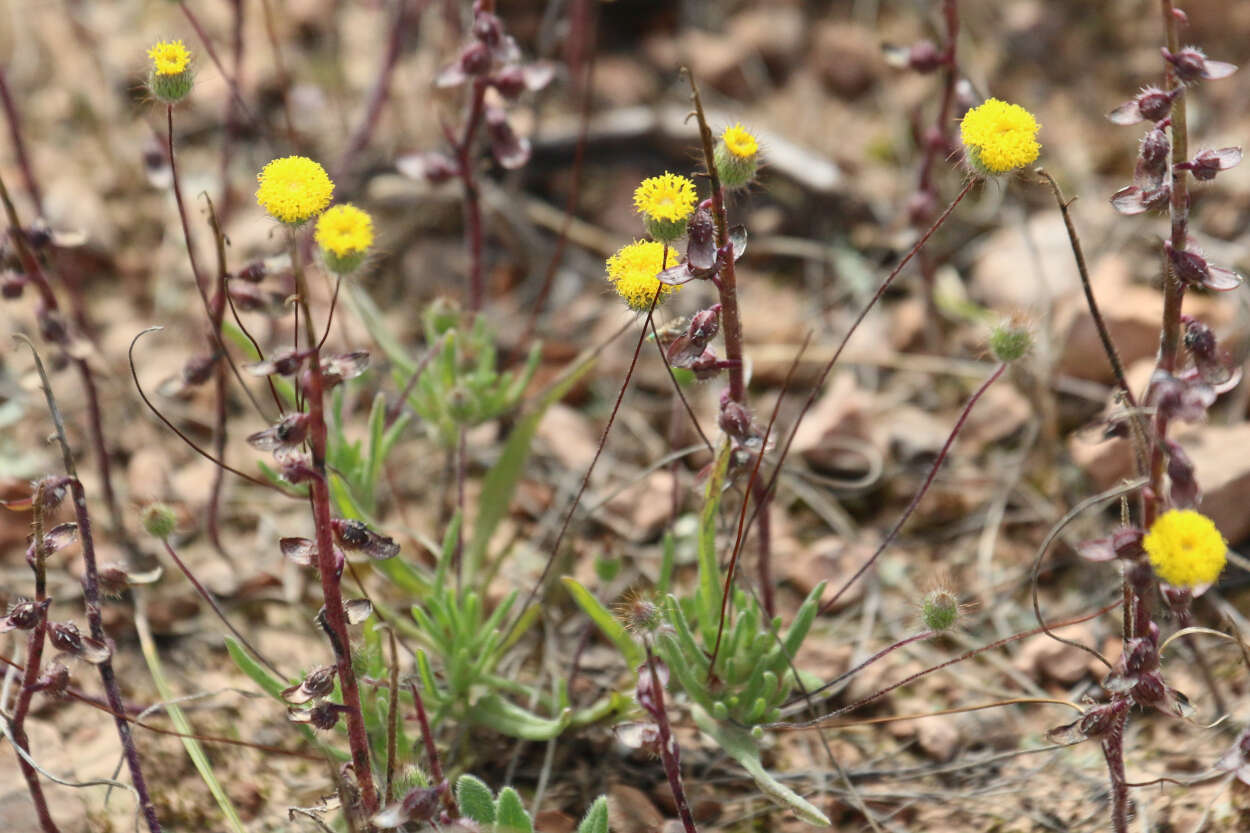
(1104, 335)
(91, 598)
(742, 513)
(1072, 515)
(231, 117)
(920, 493)
(207, 596)
(335, 623)
(230, 80)
(392, 413)
(34, 656)
(581, 35)
(134, 374)
(863, 313)
(998, 643)
(214, 309)
(34, 272)
(603, 441)
(19, 146)
(381, 85)
(431, 752)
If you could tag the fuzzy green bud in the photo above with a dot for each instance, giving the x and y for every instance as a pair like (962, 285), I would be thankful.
(737, 157)
(1010, 341)
(171, 88)
(939, 610)
(159, 520)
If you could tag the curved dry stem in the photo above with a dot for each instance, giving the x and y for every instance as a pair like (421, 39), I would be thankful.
(1072, 514)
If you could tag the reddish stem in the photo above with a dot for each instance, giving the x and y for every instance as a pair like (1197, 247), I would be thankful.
(920, 493)
(335, 620)
(670, 753)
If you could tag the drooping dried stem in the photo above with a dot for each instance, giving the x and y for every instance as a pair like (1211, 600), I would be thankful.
(920, 493)
(91, 599)
(335, 619)
(12, 118)
(859, 319)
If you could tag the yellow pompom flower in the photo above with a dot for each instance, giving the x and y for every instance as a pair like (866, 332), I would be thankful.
(1185, 548)
(665, 202)
(169, 57)
(739, 141)
(344, 234)
(170, 78)
(999, 137)
(736, 156)
(294, 189)
(633, 271)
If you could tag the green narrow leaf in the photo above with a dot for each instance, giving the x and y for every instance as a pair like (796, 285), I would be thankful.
(506, 717)
(179, 718)
(803, 621)
(448, 551)
(270, 684)
(665, 580)
(474, 800)
(510, 815)
(608, 624)
(369, 314)
(596, 818)
(501, 481)
(740, 746)
(709, 568)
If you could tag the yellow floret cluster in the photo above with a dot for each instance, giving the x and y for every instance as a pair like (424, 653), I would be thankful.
(633, 271)
(666, 197)
(739, 141)
(1185, 548)
(169, 57)
(294, 189)
(344, 230)
(999, 137)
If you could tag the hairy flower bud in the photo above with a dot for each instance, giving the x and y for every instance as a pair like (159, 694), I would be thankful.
(159, 520)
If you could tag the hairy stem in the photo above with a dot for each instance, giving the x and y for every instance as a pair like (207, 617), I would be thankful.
(335, 620)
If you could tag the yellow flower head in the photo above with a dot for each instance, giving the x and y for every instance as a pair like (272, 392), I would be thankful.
(999, 137)
(169, 57)
(739, 141)
(1185, 548)
(344, 230)
(633, 271)
(667, 197)
(294, 189)
(344, 234)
